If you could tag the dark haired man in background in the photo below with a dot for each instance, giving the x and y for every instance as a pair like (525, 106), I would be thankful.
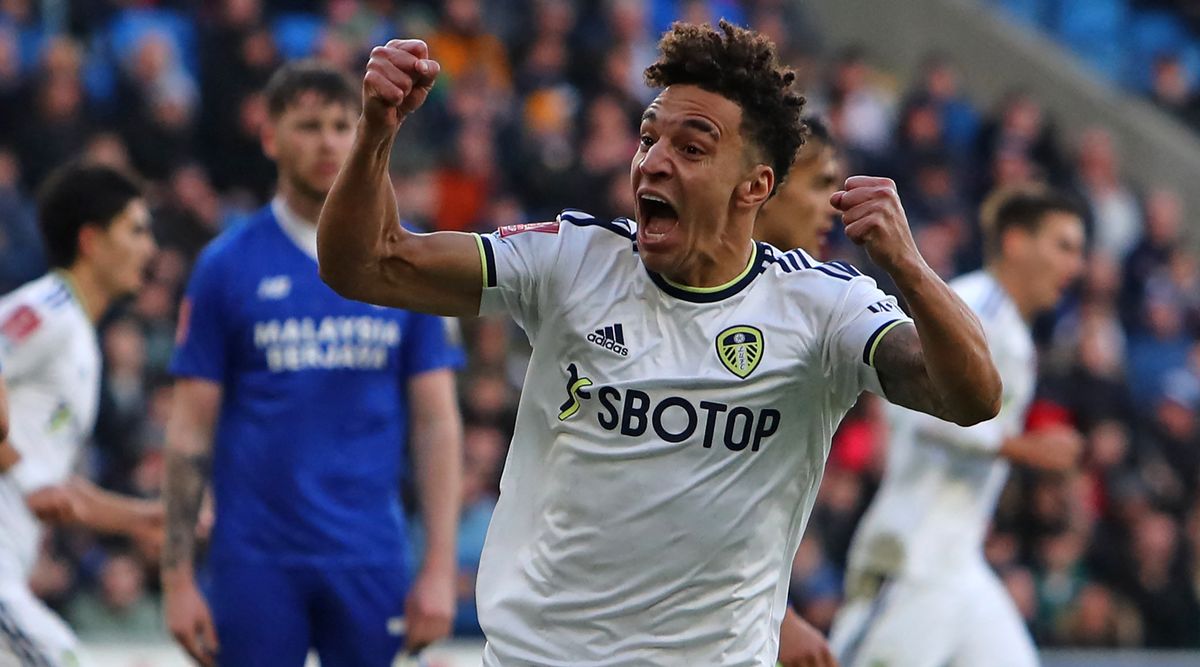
(300, 402)
(96, 229)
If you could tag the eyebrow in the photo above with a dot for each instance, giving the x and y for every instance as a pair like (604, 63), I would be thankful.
(703, 126)
(690, 123)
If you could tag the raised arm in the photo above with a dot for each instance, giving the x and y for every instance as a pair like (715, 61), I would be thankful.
(940, 366)
(364, 253)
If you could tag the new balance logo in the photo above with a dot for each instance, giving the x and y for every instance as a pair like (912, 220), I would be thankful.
(611, 337)
(274, 288)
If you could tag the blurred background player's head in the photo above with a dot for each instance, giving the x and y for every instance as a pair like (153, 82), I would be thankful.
(313, 109)
(95, 221)
(1034, 236)
(716, 141)
(800, 214)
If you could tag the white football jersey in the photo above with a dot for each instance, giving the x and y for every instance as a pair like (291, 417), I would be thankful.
(942, 480)
(668, 446)
(51, 363)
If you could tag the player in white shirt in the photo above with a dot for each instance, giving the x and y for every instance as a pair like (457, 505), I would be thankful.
(96, 229)
(685, 381)
(919, 592)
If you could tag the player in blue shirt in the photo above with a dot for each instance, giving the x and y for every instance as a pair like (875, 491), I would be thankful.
(301, 402)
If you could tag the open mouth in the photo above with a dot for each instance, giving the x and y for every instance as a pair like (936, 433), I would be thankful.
(658, 216)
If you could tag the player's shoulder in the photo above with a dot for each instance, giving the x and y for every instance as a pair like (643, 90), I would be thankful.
(242, 236)
(45, 306)
(800, 273)
(572, 226)
(983, 294)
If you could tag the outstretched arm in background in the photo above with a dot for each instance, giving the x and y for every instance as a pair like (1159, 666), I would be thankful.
(364, 253)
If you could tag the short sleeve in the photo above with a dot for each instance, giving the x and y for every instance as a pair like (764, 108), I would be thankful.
(864, 316)
(431, 343)
(201, 339)
(518, 261)
(27, 337)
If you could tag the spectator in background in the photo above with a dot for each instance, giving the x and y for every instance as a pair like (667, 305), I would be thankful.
(859, 110)
(56, 125)
(940, 84)
(1162, 223)
(1115, 216)
(20, 245)
(1172, 90)
(1159, 585)
(120, 610)
(465, 48)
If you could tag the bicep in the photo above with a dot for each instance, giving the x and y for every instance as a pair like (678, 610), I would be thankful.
(196, 406)
(439, 273)
(431, 398)
(899, 360)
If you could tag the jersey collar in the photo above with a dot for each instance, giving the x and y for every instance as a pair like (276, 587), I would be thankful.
(758, 260)
(300, 231)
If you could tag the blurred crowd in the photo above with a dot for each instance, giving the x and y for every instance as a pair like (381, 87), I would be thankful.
(536, 110)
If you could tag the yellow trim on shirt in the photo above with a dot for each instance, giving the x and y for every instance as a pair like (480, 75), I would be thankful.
(875, 345)
(483, 268)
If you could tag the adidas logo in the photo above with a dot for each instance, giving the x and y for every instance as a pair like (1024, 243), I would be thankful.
(611, 337)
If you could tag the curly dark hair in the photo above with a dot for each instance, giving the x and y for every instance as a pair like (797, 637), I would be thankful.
(742, 66)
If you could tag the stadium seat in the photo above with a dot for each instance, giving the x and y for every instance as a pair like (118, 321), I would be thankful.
(297, 34)
(1150, 35)
(131, 25)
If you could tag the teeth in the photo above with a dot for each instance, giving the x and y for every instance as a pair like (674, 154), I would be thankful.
(655, 198)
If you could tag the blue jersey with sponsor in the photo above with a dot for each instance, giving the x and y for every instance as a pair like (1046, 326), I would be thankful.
(309, 447)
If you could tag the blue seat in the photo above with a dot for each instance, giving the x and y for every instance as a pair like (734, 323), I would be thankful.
(1150, 35)
(297, 34)
(130, 26)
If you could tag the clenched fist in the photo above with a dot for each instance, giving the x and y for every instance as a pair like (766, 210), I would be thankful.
(399, 78)
(874, 218)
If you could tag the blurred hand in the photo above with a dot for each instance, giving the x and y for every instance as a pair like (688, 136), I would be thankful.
(57, 504)
(874, 219)
(189, 619)
(429, 609)
(1061, 447)
(398, 79)
(801, 645)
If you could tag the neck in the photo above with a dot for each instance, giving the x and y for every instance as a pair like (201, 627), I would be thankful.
(723, 265)
(88, 290)
(305, 205)
(1009, 278)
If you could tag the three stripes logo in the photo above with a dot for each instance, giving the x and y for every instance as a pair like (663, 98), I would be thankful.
(611, 337)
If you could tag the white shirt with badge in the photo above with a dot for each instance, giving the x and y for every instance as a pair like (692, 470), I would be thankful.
(50, 360)
(668, 447)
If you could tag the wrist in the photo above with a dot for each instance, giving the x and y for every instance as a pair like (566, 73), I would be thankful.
(177, 577)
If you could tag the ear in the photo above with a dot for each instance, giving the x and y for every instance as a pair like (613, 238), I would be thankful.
(89, 238)
(267, 137)
(756, 189)
(1014, 241)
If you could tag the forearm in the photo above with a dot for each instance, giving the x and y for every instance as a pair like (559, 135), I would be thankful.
(108, 512)
(438, 449)
(359, 215)
(188, 466)
(954, 347)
